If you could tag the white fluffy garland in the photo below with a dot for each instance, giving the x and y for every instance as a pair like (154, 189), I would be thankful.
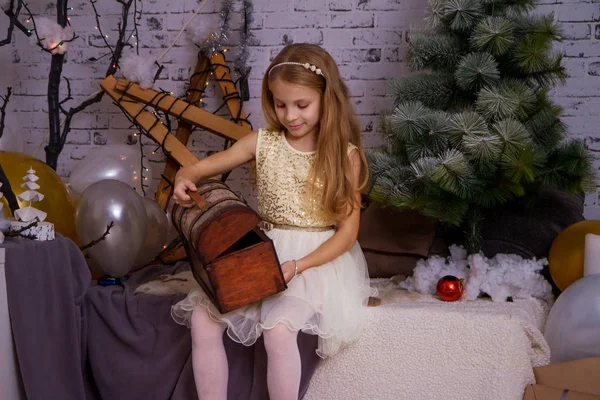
(51, 34)
(503, 276)
(139, 69)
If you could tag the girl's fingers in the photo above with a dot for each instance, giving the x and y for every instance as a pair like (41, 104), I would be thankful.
(189, 185)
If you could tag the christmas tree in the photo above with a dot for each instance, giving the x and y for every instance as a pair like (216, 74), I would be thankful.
(476, 129)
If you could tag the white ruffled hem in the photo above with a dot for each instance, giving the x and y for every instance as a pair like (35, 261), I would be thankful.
(328, 301)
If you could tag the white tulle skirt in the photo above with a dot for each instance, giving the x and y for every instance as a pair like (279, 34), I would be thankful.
(329, 301)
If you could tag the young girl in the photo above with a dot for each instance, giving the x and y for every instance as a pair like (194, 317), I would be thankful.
(309, 172)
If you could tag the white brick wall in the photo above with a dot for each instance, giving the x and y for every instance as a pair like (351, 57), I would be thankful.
(367, 38)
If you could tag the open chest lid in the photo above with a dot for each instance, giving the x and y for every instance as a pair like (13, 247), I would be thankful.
(218, 222)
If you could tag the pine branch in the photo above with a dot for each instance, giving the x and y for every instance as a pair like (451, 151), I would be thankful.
(390, 188)
(446, 208)
(466, 123)
(533, 58)
(524, 94)
(543, 27)
(434, 52)
(437, 91)
(547, 130)
(498, 193)
(494, 35)
(380, 164)
(407, 121)
(476, 70)
(512, 134)
(432, 139)
(495, 104)
(482, 149)
(510, 7)
(521, 165)
(462, 15)
(454, 175)
(553, 74)
(570, 168)
(435, 14)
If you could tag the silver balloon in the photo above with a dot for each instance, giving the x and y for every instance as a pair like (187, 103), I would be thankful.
(573, 325)
(103, 202)
(115, 161)
(173, 232)
(157, 229)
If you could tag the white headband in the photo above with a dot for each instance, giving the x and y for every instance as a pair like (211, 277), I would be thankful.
(305, 65)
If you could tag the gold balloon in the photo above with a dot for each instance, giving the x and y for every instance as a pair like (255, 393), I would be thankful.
(57, 202)
(565, 259)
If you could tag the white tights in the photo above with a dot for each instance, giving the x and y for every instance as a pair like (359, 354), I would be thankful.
(209, 361)
(210, 367)
(283, 363)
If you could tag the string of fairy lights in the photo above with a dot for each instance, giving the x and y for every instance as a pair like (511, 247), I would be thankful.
(215, 42)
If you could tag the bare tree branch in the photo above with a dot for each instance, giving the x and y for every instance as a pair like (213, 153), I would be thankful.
(3, 109)
(6, 189)
(57, 138)
(53, 148)
(101, 238)
(14, 21)
(19, 232)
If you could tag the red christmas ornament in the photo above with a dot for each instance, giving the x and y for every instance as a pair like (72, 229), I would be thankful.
(450, 288)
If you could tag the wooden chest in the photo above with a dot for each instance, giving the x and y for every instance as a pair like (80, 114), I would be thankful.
(232, 259)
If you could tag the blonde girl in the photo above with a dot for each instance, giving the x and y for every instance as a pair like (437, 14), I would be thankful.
(310, 169)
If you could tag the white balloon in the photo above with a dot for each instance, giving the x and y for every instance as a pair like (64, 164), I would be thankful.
(573, 325)
(116, 161)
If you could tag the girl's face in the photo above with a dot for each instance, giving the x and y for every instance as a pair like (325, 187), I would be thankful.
(297, 108)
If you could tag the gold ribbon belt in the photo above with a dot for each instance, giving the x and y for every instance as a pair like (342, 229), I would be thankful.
(267, 226)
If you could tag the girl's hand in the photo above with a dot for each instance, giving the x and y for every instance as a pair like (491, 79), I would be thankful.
(180, 195)
(289, 270)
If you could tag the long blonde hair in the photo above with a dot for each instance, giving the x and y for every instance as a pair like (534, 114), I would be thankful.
(338, 125)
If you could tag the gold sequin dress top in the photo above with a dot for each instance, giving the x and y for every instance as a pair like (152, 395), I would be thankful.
(282, 183)
(329, 300)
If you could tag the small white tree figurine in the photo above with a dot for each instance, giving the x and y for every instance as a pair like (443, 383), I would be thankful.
(29, 215)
